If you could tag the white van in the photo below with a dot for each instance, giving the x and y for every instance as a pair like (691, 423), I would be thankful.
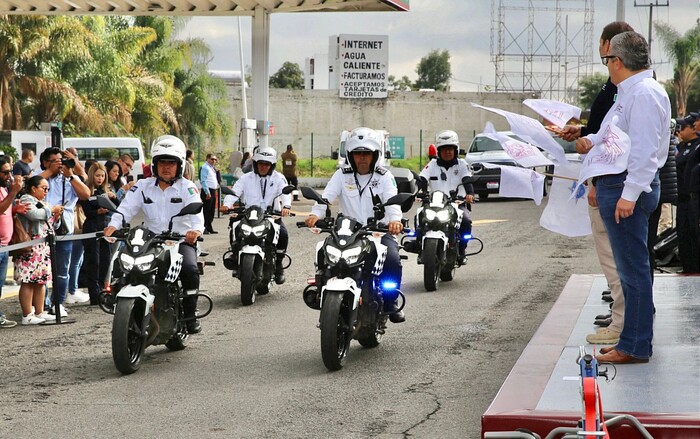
(106, 148)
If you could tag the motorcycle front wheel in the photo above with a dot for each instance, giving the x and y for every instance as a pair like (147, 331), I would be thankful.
(128, 338)
(431, 264)
(335, 336)
(247, 277)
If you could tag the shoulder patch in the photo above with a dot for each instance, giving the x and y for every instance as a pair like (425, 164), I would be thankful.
(381, 170)
(134, 188)
(347, 170)
(192, 190)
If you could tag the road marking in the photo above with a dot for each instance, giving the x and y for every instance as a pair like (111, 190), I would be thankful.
(488, 221)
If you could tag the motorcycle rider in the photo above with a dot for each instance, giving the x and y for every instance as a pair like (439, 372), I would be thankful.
(355, 185)
(159, 198)
(260, 188)
(445, 174)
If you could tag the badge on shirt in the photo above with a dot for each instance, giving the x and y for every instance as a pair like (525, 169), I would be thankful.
(193, 190)
(350, 187)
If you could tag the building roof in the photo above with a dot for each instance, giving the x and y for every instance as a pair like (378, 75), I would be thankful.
(192, 7)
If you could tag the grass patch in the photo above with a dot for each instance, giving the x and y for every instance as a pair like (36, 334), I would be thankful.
(325, 167)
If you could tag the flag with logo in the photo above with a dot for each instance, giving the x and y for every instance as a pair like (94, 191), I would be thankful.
(531, 131)
(566, 212)
(559, 113)
(526, 155)
(609, 156)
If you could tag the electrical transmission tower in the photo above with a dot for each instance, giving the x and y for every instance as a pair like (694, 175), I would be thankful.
(542, 46)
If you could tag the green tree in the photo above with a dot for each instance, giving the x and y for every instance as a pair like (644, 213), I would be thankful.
(589, 87)
(403, 84)
(288, 76)
(684, 51)
(434, 71)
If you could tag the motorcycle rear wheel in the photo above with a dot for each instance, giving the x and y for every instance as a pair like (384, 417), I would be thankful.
(128, 339)
(431, 265)
(247, 277)
(335, 338)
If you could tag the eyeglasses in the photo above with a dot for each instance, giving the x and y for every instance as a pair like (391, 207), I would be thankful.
(214, 159)
(605, 59)
(5, 172)
(45, 188)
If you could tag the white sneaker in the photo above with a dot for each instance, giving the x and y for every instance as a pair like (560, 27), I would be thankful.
(64, 312)
(46, 316)
(31, 319)
(77, 297)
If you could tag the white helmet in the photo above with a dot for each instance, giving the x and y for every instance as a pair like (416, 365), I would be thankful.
(265, 154)
(363, 139)
(168, 148)
(447, 138)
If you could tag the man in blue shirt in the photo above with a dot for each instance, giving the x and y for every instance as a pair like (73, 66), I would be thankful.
(210, 186)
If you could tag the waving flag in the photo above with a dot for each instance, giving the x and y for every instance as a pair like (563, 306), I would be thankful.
(556, 112)
(526, 155)
(531, 131)
(609, 156)
(566, 212)
(521, 183)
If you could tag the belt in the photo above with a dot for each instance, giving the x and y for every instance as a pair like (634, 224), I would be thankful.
(594, 180)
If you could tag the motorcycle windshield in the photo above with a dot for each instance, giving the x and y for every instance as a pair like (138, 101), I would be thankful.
(140, 240)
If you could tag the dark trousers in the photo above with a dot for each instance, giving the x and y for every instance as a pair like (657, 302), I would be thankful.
(209, 209)
(189, 276)
(283, 240)
(688, 249)
(95, 262)
(651, 238)
(294, 181)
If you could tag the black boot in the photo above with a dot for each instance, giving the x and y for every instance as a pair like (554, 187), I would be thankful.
(395, 315)
(279, 271)
(462, 256)
(189, 305)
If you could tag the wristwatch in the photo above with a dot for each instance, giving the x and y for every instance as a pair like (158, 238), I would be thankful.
(70, 178)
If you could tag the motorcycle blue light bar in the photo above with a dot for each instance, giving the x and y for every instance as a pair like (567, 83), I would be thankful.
(389, 285)
(466, 237)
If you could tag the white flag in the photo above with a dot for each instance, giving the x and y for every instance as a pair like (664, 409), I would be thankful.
(526, 155)
(521, 183)
(531, 131)
(609, 156)
(566, 214)
(556, 112)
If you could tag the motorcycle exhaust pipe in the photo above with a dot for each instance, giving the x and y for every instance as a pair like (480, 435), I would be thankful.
(153, 323)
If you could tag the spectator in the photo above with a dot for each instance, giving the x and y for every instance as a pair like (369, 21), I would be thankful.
(188, 173)
(289, 169)
(33, 269)
(65, 189)
(96, 250)
(126, 162)
(114, 182)
(146, 170)
(247, 163)
(72, 154)
(75, 294)
(688, 250)
(626, 200)
(9, 188)
(210, 186)
(23, 167)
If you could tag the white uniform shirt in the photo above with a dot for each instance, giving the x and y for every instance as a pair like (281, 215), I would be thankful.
(159, 206)
(446, 180)
(643, 111)
(355, 194)
(260, 191)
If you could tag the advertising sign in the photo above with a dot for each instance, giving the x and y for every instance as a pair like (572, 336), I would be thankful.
(363, 66)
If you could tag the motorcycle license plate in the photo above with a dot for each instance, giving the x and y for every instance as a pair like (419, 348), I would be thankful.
(492, 185)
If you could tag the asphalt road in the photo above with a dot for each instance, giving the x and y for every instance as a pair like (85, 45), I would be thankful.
(256, 372)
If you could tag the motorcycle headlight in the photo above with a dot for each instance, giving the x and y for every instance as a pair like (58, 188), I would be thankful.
(352, 255)
(443, 215)
(126, 261)
(429, 214)
(333, 254)
(258, 230)
(144, 263)
(246, 229)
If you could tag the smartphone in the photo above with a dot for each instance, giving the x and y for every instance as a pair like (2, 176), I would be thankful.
(129, 178)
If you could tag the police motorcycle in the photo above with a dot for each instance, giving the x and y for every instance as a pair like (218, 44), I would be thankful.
(438, 220)
(147, 307)
(351, 305)
(252, 255)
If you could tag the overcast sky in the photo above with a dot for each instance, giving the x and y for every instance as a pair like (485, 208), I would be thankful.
(463, 27)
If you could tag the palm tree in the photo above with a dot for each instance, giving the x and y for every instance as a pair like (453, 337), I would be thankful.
(684, 50)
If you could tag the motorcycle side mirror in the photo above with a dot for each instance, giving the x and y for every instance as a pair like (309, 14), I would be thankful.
(401, 198)
(288, 189)
(312, 195)
(190, 209)
(462, 152)
(104, 202)
(227, 190)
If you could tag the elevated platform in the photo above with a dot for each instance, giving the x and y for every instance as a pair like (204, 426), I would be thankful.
(542, 390)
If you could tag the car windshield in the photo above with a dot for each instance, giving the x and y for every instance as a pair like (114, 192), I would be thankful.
(483, 143)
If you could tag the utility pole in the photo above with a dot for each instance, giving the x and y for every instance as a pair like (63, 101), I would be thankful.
(620, 10)
(651, 6)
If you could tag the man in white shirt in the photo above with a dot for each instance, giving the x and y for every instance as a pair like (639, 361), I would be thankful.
(355, 186)
(210, 186)
(626, 200)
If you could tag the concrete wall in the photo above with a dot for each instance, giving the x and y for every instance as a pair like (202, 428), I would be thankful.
(296, 114)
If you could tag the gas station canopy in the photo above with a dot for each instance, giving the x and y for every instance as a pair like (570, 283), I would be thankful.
(193, 7)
